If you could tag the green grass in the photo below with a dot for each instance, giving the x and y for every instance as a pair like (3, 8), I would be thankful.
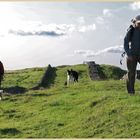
(88, 109)
(26, 78)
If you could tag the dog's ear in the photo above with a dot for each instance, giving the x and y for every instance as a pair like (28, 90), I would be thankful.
(68, 71)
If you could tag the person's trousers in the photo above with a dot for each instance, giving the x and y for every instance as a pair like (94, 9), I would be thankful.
(131, 66)
(1, 78)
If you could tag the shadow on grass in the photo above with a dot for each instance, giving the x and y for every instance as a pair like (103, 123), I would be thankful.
(9, 131)
(15, 90)
(41, 95)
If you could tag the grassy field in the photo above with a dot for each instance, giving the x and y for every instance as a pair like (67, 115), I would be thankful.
(88, 109)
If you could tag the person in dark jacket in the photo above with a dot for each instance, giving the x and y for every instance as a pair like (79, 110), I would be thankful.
(1, 72)
(132, 49)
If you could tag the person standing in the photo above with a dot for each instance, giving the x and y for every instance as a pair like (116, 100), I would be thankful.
(1, 72)
(132, 49)
(1, 78)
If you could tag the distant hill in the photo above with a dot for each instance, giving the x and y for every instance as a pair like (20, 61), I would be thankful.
(31, 77)
(110, 72)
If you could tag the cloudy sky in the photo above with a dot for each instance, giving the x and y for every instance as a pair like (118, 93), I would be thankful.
(35, 34)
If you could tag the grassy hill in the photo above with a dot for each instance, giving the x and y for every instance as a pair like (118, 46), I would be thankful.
(88, 109)
(111, 72)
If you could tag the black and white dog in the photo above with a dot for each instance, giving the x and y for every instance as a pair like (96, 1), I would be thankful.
(72, 76)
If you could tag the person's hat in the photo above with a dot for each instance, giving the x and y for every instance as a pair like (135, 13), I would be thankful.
(137, 19)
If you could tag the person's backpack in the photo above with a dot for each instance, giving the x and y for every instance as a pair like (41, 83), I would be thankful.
(131, 29)
(1, 69)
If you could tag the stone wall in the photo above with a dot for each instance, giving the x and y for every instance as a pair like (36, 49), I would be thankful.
(93, 70)
(47, 79)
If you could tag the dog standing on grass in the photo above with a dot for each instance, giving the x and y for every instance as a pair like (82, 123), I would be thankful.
(72, 76)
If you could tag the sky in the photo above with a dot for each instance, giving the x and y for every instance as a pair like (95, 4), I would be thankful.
(35, 34)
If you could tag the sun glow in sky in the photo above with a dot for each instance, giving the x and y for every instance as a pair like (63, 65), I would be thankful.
(8, 16)
(36, 34)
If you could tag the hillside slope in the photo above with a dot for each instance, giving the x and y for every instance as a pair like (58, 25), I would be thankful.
(88, 109)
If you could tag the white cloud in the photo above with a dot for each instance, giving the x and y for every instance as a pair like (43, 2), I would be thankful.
(28, 29)
(87, 28)
(91, 53)
(135, 5)
(81, 20)
(53, 30)
(100, 20)
(104, 18)
(83, 52)
(107, 13)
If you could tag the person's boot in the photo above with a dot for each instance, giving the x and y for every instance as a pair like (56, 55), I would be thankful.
(131, 92)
